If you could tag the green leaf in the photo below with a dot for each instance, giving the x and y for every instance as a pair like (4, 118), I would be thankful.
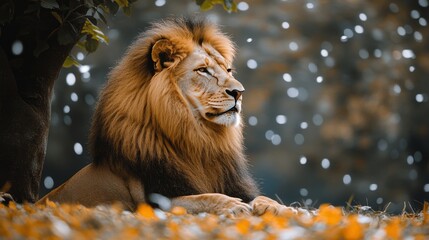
(70, 61)
(49, 4)
(81, 44)
(94, 32)
(91, 45)
(58, 17)
(206, 5)
(122, 3)
(92, 19)
(228, 5)
(127, 11)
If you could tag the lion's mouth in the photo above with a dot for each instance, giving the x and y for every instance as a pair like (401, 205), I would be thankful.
(232, 110)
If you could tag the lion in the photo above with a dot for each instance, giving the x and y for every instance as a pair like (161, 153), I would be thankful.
(168, 122)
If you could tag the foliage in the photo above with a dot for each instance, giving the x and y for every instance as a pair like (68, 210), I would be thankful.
(66, 14)
(228, 5)
(56, 221)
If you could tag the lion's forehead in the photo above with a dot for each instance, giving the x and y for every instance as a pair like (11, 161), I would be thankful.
(210, 55)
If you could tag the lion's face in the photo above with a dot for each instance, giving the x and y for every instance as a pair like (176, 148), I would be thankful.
(209, 88)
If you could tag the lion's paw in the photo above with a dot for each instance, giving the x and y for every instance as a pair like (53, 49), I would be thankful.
(261, 205)
(230, 206)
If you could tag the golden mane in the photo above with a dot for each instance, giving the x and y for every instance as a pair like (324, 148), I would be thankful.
(143, 127)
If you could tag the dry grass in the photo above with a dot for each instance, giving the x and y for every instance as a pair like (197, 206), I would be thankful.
(55, 221)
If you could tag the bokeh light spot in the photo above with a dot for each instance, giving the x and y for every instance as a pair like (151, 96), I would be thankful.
(243, 6)
(347, 179)
(285, 25)
(74, 97)
(67, 120)
(303, 192)
(419, 98)
(84, 68)
(423, 22)
(292, 92)
(281, 119)
(287, 77)
(359, 29)
(363, 17)
(89, 99)
(252, 64)
(426, 187)
(253, 121)
(48, 182)
(410, 160)
(324, 52)
(70, 79)
(299, 139)
(317, 119)
(17, 47)
(66, 109)
(269, 134)
(418, 36)
(325, 163)
(276, 139)
(408, 53)
(80, 56)
(303, 160)
(78, 149)
(293, 46)
(160, 3)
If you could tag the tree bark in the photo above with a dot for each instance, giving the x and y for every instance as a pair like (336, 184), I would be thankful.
(26, 84)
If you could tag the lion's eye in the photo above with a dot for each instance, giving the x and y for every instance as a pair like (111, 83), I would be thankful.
(203, 70)
(229, 70)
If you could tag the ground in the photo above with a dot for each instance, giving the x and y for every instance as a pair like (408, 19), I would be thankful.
(62, 221)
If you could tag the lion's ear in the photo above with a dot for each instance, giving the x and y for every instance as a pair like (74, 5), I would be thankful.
(162, 54)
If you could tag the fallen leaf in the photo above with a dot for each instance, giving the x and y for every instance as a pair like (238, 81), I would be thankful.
(146, 211)
(353, 229)
(393, 228)
(329, 214)
(243, 226)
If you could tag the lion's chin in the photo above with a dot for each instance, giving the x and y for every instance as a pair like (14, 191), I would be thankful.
(230, 118)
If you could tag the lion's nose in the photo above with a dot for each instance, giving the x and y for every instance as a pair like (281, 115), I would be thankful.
(235, 93)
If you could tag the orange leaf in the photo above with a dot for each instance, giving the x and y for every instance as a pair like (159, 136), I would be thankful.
(146, 211)
(426, 213)
(353, 230)
(177, 210)
(243, 226)
(393, 228)
(329, 214)
(209, 223)
(130, 232)
(49, 203)
(12, 205)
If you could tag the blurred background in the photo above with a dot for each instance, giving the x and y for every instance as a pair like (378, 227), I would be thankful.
(336, 103)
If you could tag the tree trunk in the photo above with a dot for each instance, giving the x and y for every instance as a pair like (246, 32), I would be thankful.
(26, 84)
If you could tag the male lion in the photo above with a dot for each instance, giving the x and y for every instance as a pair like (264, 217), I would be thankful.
(168, 122)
